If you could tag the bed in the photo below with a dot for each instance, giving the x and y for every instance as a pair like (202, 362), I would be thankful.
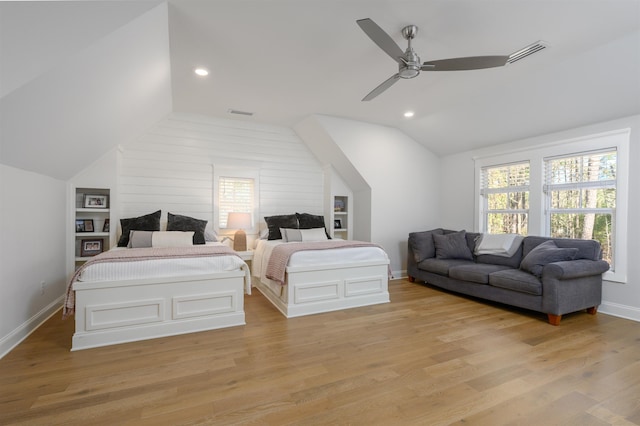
(323, 276)
(131, 294)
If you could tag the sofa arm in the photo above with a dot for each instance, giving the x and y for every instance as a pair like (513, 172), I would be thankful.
(574, 269)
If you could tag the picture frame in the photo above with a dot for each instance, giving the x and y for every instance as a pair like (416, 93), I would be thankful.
(105, 227)
(90, 248)
(84, 225)
(337, 224)
(95, 201)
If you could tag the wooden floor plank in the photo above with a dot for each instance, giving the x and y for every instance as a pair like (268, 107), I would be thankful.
(428, 357)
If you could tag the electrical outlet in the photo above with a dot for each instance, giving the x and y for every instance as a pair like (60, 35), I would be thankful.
(43, 284)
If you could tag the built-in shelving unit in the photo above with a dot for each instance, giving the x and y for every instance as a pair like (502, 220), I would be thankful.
(341, 217)
(92, 222)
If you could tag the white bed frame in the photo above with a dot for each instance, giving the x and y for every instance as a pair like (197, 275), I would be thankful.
(323, 288)
(111, 312)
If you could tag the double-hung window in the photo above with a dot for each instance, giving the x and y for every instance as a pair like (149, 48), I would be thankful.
(505, 198)
(235, 194)
(580, 193)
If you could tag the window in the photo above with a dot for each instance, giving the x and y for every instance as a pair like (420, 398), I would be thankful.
(236, 189)
(580, 197)
(574, 188)
(234, 195)
(505, 195)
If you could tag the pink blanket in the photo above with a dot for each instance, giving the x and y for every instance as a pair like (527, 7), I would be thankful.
(276, 268)
(141, 254)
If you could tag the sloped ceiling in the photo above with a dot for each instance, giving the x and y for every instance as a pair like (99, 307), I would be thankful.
(78, 78)
(287, 59)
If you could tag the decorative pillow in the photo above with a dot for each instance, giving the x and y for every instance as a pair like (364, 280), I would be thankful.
(172, 239)
(452, 246)
(210, 236)
(505, 245)
(149, 222)
(139, 239)
(547, 252)
(314, 234)
(178, 222)
(274, 223)
(422, 244)
(311, 221)
(290, 235)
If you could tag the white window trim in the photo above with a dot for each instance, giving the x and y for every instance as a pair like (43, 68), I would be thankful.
(483, 205)
(235, 172)
(617, 139)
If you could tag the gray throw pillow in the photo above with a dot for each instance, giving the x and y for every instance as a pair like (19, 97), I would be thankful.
(452, 246)
(274, 223)
(176, 222)
(149, 222)
(547, 252)
(422, 244)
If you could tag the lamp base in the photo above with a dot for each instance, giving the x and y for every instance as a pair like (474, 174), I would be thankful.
(240, 241)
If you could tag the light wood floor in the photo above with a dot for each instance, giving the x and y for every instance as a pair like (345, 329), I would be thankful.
(428, 357)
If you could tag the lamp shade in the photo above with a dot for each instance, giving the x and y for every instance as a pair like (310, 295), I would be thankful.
(239, 220)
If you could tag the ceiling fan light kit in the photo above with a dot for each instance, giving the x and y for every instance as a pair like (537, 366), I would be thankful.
(409, 65)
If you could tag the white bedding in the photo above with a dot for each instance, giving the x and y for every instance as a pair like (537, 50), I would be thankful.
(339, 256)
(160, 268)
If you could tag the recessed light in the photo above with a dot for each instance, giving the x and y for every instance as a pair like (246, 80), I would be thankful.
(408, 114)
(201, 72)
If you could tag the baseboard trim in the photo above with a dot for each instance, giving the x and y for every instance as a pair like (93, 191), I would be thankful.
(13, 339)
(398, 275)
(621, 311)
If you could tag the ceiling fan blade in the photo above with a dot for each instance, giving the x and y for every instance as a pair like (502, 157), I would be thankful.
(382, 87)
(381, 38)
(468, 63)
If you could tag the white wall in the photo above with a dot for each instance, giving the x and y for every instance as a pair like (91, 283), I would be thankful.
(171, 167)
(457, 204)
(404, 178)
(33, 230)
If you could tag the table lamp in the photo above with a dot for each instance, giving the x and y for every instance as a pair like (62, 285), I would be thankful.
(239, 221)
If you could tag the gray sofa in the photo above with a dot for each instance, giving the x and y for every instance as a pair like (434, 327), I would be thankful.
(539, 283)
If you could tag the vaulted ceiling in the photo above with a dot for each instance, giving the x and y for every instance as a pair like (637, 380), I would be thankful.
(80, 77)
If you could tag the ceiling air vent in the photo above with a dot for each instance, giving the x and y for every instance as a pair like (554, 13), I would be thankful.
(235, 111)
(527, 51)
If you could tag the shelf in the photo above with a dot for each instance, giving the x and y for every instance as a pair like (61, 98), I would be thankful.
(340, 213)
(92, 234)
(90, 210)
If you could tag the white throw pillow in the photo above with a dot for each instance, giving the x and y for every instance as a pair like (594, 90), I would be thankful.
(290, 234)
(505, 245)
(314, 234)
(172, 239)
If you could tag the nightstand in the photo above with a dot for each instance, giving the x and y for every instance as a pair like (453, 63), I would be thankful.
(246, 255)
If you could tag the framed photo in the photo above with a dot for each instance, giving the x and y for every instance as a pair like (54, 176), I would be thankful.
(84, 225)
(337, 224)
(105, 227)
(95, 201)
(90, 247)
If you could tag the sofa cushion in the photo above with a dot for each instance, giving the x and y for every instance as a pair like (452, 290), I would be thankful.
(547, 252)
(587, 249)
(441, 266)
(452, 246)
(477, 273)
(516, 280)
(422, 244)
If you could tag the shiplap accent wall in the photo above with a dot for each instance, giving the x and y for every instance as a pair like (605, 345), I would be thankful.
(171, 167)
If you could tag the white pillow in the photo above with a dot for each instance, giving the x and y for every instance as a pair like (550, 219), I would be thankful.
(504, 245)
(314, 234)
(172, 239)
(290, 234)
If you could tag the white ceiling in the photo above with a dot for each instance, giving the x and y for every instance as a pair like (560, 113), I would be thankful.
(286, 59)
(78, 78)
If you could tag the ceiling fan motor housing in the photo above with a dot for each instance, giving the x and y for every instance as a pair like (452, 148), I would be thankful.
(410, 65)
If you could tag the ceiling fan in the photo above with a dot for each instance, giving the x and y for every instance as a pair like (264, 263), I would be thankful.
(409, 65)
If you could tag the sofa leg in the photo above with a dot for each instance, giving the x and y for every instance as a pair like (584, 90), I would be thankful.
(554, 319)
(412, 279)
(592, 310)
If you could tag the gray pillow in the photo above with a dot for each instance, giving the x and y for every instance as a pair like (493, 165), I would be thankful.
(547, 252)
(176, 222)
(452, 246)
(149, 222)
(274, 223)
(139, 239)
